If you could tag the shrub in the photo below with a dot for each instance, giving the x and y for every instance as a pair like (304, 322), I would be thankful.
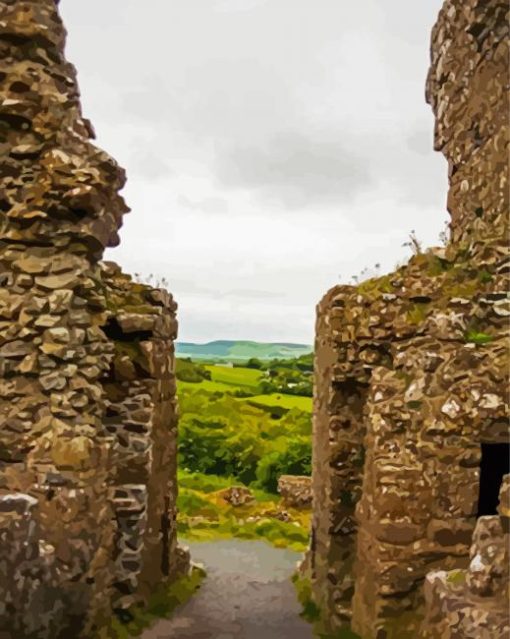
(295, 460)
(188, 371)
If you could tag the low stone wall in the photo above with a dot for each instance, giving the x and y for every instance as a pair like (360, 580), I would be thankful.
(296, 491)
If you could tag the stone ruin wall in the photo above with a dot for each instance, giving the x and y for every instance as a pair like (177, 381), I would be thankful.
(87, 400)
(412, 367)
(473, 603)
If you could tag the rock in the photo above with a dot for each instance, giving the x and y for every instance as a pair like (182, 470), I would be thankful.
(17, 348)
(296, 491)
(53, 282)
(59, 335)
(72, 454)
(135, 322)
(237, 496)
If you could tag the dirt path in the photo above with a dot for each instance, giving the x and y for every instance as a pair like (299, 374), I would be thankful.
(247, 595)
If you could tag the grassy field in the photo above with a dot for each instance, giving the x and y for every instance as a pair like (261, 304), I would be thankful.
(236, 425)
(204, 515)
(206, 385)
(246, 378)
(283, 401)
(225, 379)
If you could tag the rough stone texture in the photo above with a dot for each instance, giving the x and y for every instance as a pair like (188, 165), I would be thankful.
(473, 603)
(412, 367)
(296, 491)
(237, 496)
(87, 409)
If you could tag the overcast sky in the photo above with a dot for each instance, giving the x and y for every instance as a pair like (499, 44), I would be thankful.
(273, 148)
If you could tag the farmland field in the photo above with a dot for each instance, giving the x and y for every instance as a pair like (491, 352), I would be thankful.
(238, 376)
(283, 401)
(234, 429)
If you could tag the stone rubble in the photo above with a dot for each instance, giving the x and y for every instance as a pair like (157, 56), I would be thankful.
(237, 496)
(87, 389)
(296, 491)
(412, 367)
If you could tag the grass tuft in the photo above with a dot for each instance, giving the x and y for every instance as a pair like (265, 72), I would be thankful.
(476, 337)
(162, 603)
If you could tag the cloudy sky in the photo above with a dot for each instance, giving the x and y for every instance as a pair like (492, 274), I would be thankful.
(274, 148)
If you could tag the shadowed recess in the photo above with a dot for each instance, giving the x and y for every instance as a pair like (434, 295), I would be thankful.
(494, 465)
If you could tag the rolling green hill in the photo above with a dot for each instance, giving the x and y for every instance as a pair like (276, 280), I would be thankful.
(241, 350)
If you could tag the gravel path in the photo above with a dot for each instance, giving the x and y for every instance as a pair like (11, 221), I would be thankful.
(247, 594)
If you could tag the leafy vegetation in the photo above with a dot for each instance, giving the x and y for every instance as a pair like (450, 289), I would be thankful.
(286, 402)
(231, 437)
(188, 371)
(294, 377)
(312, 613)
(232, 433)
(417, 313)
(204, 514)
(456, 577)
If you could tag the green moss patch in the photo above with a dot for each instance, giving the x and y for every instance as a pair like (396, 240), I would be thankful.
(417, 313)
(477, 337)
(376, 286)
(312, 613)
(303, 586)
(456, 577)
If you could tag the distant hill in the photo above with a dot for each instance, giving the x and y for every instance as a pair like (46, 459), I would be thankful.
(241, 350)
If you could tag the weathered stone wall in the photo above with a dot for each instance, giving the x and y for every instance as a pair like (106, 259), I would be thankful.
(411, 368)
(473, 603)
(141, 417)
(87, 428)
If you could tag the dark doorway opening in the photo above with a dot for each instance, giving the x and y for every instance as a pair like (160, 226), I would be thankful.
(495, 463)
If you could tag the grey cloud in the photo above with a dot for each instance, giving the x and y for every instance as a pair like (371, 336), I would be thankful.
(296, 170)
(304, 104)
(421, 140)
(205, 205)
(253, 294)
(146, 163)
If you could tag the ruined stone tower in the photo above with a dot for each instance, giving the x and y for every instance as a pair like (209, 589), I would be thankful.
(411, 419)
(87, 401)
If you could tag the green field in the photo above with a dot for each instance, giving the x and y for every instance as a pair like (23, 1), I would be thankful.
(248, 378)
(204, 515)
(206, 385)
(224, 380)
(282, 401)
(234, 424)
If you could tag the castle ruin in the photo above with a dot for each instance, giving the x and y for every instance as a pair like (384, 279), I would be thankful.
(411, 413)
(87, 401)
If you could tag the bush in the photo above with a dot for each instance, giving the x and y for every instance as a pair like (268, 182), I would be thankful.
(202, 446)
(188, 371)
(296, 460)
(222, 435)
